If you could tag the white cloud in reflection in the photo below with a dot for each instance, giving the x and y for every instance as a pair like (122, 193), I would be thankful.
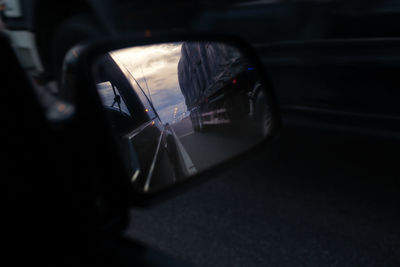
(158, 65)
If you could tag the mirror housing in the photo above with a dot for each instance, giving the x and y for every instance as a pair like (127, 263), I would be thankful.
(80, 89)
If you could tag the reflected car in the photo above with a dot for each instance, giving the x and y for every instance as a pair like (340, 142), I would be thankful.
(150, 148)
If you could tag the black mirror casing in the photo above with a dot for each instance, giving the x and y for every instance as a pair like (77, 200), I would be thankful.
(91, 122)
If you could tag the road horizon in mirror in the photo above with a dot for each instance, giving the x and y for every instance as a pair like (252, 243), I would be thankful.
(180, 108)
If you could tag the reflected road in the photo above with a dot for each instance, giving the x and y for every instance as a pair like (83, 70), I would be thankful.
(212, 146)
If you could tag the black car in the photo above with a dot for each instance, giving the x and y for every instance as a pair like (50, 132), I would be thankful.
(324, 192)
(150, 150)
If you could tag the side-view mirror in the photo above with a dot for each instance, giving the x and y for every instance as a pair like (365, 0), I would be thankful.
(175, 106)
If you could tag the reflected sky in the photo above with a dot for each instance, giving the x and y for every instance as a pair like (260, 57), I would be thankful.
(157, 65)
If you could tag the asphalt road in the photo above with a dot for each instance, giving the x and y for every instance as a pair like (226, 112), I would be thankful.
(214, 145)
(311, 198)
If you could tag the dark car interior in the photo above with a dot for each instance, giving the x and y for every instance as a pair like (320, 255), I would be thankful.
(323, 192)
(50, 214)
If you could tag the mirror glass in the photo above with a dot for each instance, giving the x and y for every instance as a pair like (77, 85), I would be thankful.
(180, 108)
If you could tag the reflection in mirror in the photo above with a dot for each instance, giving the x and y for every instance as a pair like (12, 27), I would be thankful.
(180, 108)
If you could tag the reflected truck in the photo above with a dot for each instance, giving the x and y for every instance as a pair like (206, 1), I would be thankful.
(221, 88)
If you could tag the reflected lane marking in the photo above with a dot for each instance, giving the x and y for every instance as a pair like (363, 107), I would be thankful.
(186, 134)
(190, 168)
(153, 164)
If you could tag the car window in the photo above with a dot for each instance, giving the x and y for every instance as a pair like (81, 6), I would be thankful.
(108, 97)
(139, 92)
